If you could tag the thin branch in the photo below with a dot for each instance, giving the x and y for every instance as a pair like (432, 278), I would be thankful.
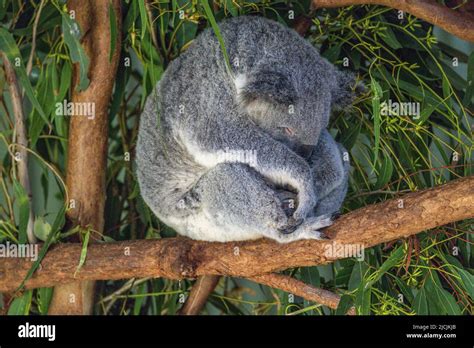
(178, 258)
(29, 65)
(199, 293)
(300, 289)
(152, 28)
(20, 139)
(131, 283)
(458, 23)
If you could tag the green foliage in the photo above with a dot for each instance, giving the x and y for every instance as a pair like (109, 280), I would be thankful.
(391, 153)
(72, 38)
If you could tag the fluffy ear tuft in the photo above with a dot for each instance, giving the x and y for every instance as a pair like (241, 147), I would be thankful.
(266, 86)
(347, 89)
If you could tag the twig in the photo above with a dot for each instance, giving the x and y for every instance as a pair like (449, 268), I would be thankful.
(458, 23)
(29, 65)
(200, 291)
(152, 29)
(300, 289)
(20, 139)
(131, 283)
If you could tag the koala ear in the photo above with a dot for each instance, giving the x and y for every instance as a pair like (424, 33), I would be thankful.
(347, 89)
(266, 86)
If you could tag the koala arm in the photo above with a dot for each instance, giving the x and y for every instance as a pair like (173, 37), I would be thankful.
(329, 163)
(274, 161)
(330, 166)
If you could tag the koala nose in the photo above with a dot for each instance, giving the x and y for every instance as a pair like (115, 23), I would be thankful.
(306, 150)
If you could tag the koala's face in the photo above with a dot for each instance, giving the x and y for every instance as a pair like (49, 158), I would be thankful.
(290, 113)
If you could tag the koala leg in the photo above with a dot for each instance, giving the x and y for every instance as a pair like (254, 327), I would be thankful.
(239, 205)
(330, 165)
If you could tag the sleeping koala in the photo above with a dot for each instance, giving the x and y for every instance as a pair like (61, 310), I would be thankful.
(220, 151)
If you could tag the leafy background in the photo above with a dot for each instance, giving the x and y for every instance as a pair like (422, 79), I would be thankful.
(405, 60)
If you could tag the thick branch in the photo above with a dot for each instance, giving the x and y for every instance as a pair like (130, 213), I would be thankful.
(87, 143)
(455, 22)
(178, 258)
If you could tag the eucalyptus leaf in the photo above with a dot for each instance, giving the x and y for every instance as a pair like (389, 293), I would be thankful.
(9, 47)
(21, 305)
(72, 38)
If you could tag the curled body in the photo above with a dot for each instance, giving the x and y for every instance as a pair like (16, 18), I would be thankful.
(215, 148)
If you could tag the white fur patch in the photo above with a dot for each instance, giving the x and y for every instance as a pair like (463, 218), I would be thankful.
(282, 178)
(203, 158)
(203, 226)
(240, 82)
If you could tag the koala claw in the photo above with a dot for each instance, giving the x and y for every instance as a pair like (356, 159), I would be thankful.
(318, 222)
(316, 235)
(291, 226)
(322, 235)
(294, 222)
(287, 230)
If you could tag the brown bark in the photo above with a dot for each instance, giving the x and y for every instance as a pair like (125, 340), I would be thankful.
(301, 289)
(87, 144)
(458, 23)
(178, 258)
(199, 293)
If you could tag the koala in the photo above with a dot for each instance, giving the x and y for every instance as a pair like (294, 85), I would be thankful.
(221, 150)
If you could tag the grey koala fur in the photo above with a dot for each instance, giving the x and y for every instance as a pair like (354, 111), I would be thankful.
(277, 103)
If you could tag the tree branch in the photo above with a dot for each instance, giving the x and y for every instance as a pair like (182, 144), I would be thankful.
(199, 293)
(20, 139)
(300, 289)
(29, 65)
(87, 143)
(178, 258)
(455, 22)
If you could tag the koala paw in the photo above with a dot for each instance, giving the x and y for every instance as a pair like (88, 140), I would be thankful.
(291, 226)
(318, 235)
(306, 203)
(308, 229)
(312, 225)
(322, 220)
(302, 212)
